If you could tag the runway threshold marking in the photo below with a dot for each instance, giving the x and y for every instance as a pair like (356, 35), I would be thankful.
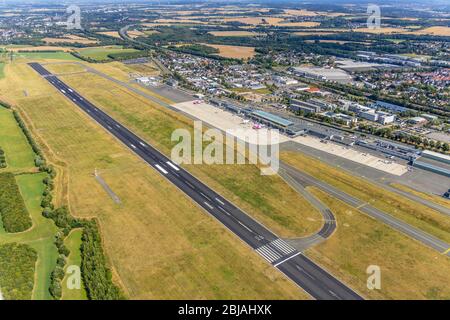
(287, 259)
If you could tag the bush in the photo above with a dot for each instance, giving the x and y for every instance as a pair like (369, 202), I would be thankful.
(17, 264)
(14, 214)
(2, 159)
(96, 275)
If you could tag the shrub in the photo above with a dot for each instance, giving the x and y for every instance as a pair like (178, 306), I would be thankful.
(14, 214)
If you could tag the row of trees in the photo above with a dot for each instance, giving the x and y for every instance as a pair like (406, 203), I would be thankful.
(14, 214)
(3, 163)
(417, 141)
(17, 265)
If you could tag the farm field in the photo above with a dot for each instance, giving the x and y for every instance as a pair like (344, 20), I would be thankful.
(210, 261)
(236, 52)
(101, 53)
(411, 212)
(236, 33)
(70, 39)
(113, 34)
(360, 241)
(436, 31)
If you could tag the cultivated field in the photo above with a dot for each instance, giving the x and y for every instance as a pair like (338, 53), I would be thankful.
(187, 253)
(436, 31)
(236, 52)
(70, 39)
(114, 34)
(101, 53)
(409, 270)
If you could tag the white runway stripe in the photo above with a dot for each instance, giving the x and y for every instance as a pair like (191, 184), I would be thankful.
(268, 253)
(161, 169)
(283, 246)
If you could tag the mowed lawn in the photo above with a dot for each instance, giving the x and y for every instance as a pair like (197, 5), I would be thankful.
(60, 55)
(101, 53)
(409, 270)
(40, 236)
(159, 243)
(19, 155)
(267, 198)
(73, 243)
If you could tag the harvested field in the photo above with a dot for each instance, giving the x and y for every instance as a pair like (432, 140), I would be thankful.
(236, 52)
(236, 33)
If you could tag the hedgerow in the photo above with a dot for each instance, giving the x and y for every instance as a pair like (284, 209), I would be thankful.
(15, 216)
(17, 265)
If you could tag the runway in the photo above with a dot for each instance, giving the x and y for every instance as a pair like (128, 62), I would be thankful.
(312, 278)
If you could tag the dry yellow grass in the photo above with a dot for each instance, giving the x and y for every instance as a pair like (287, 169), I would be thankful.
(135, 33)
(436, 31)
(61, 68)
(236, 52)
(430, 197)
(387, 30)
(306, 13)
(254, 20)
(41, 48)
(409, 270)
(306, 24)
(114, 34)
(158, 249)
(309, 33)
(70, 39)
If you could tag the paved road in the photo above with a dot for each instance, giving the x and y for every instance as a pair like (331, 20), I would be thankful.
(417, 234)
(313, 279)
(329, 220)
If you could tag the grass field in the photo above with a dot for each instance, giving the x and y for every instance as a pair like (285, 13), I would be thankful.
(157, 248)
(19, 155)
(430, 197)
(113, 34)
(40, 237)
(268, 198)
(101, 53)
(407, 210)
(70, 39)
(73, 243)
(408, 269)
(61, 68)
(45, 55)
(236, 52)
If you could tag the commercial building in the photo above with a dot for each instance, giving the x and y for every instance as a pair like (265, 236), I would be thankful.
(305, 107)
(385, 118)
